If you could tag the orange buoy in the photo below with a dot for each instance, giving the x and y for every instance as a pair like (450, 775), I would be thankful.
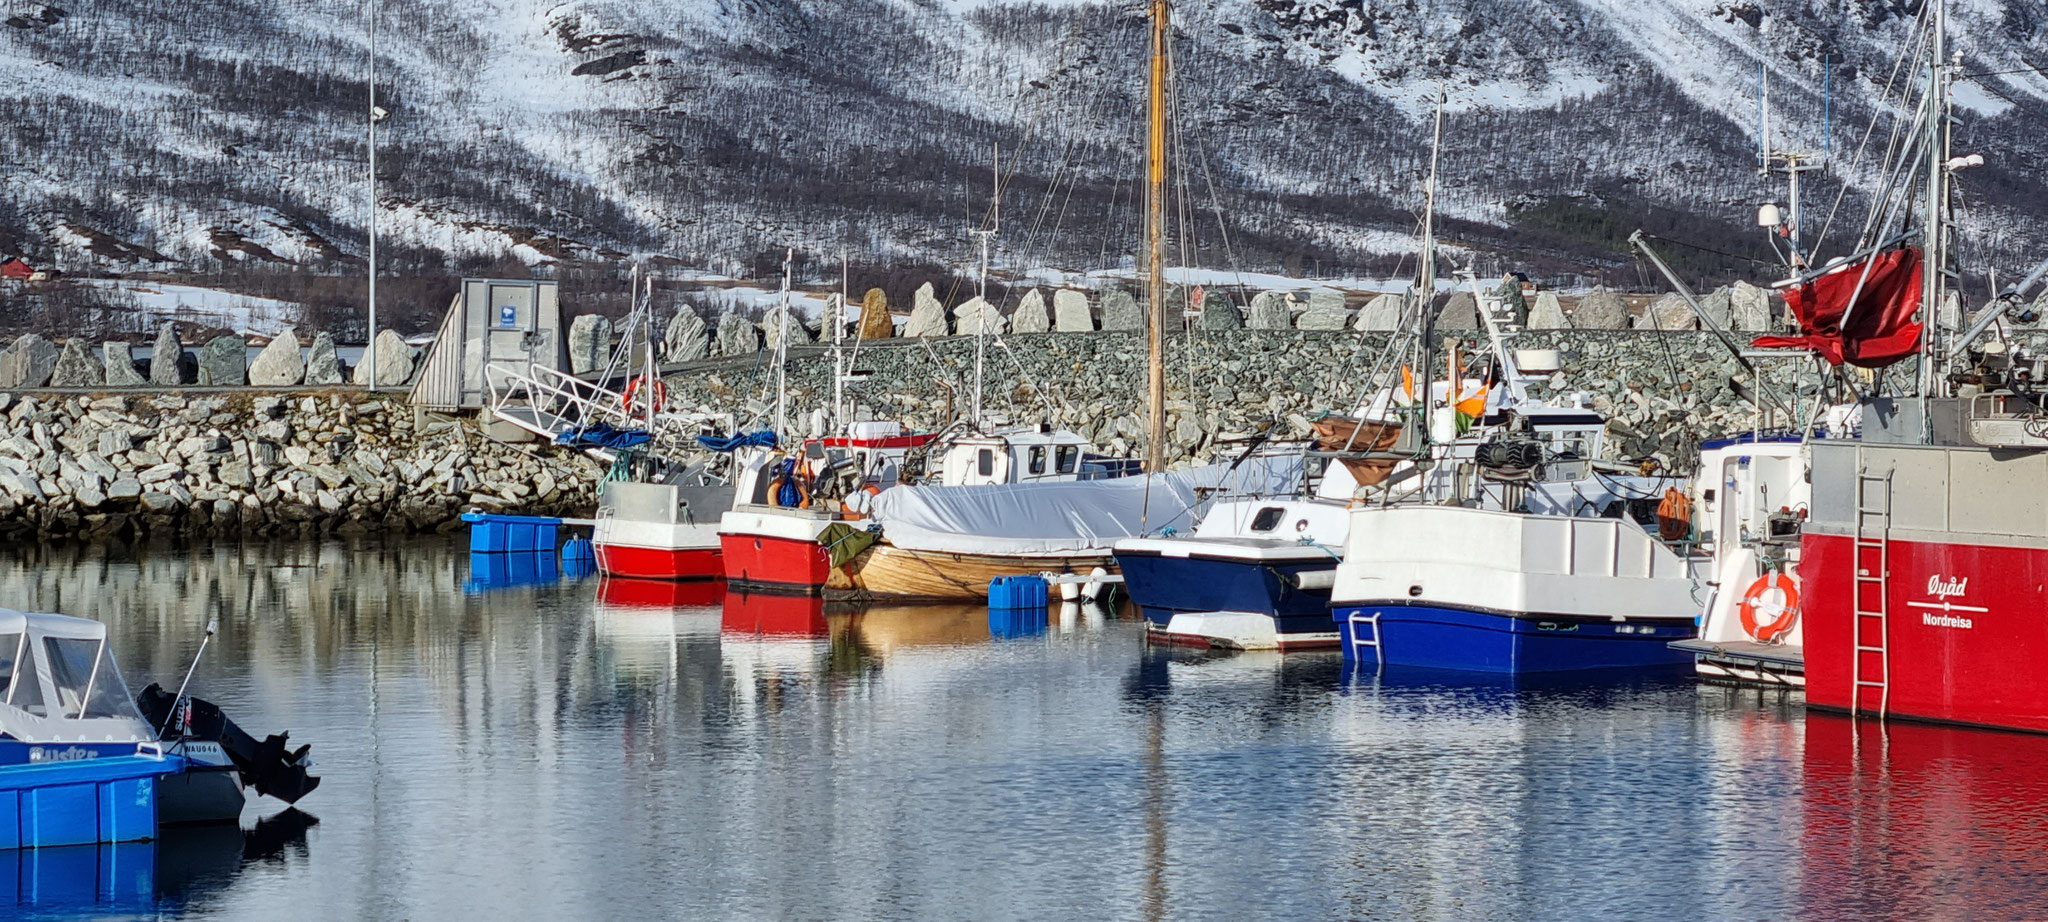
(1785, 611)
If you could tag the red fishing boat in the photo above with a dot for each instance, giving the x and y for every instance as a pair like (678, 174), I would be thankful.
(1924, 554)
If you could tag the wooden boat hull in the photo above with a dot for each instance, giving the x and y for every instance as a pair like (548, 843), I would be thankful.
(885, 571)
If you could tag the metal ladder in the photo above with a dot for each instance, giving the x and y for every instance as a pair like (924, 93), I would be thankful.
(1872, 559)
(1356, 638)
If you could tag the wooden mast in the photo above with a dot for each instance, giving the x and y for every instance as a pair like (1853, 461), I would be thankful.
(1155, 244)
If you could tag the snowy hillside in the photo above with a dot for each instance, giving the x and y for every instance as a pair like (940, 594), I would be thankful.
(147, 133)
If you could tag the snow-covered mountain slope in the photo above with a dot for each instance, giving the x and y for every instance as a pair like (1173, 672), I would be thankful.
(715, 130)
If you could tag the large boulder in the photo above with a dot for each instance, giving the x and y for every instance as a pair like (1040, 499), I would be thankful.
(590, 343)
(784, 320)
(1749, 307)
(1461, 312)
(927, 315)
(28, 363)
(117, 366)
(394, 362)
(1070, 312)
(1548, 314)
(166, 358)
(831, 317)
(875, 322)
(1031, 316)
(1601, 309)
(1719, 306)
(1219, 313)
(975, 317)
(1269, 312)
(1381, 314)
(323, 364)
(687, 338)
(224, 362)
(1513, 304)
(1667, 313)
(1120, 311)
(77, 367)
(736, 336)
(279, 364)
(1326, 311)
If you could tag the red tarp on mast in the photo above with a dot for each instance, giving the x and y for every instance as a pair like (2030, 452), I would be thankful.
(1880, 329)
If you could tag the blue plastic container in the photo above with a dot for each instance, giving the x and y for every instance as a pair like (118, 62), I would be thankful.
(81, 801)
(1017, 592)
(579, 558)
(491, 533)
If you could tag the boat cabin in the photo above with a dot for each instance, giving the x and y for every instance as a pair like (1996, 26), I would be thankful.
(59, 684)
(1026, 455)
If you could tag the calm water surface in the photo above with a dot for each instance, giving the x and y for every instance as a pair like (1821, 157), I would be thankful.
(618, 751)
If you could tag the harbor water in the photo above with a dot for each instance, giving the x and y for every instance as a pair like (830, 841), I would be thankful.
(504, 742)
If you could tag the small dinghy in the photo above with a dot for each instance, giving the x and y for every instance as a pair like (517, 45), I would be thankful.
(62, 699)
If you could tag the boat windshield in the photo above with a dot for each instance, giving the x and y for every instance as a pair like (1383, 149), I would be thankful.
(82, 689)
(10, 650)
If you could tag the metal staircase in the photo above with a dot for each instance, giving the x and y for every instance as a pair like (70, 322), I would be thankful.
(548, 402)
(1872, 551)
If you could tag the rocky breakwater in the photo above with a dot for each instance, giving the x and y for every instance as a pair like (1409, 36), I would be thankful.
(1662, 392)
(105, 465)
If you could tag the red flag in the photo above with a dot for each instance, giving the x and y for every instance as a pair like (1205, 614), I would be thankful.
(1880, 328)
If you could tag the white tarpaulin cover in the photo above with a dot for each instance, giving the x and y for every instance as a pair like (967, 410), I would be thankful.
(1065, 517)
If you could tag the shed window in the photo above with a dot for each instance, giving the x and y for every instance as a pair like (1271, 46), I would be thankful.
(1267, 518)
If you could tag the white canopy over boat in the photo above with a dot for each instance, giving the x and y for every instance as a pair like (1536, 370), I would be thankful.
(58, 682)
(1031, 519)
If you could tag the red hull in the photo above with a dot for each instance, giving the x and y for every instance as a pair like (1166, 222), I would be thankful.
(659, 563)
(1968, 631)
(774, 615)
(783, 563)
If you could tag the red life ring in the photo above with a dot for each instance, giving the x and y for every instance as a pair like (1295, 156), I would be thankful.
(657, 392)
(1787, 611)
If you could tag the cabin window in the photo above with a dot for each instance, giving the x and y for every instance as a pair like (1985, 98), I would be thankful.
(985, 463)
(71, 669)
(10, 646)
(1037, 459)
(1267, 518)
(1068, 458)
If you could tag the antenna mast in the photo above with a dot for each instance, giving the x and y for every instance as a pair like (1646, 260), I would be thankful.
(1935, 220)
(782, 349)
(1155, 245)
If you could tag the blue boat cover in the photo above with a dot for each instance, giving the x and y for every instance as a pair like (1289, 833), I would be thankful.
(603, 435)
(762, 439)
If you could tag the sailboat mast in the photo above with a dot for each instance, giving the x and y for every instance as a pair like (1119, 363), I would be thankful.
(839, 416)
(1155, 245)
(987, 235)
(782, 350)
(1426, 278)
(1934, 222)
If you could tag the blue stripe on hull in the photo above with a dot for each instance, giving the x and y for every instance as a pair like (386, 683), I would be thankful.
(1163, 586)
(1437, 637)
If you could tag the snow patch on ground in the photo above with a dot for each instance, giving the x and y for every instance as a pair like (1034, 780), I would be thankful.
(156, 302)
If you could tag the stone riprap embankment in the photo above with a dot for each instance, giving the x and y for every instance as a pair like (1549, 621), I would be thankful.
(220, 464)
(1662, 392)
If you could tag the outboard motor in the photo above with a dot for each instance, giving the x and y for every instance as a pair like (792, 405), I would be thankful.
(266, 766)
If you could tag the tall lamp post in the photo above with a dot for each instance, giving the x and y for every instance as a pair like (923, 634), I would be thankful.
(376, 114)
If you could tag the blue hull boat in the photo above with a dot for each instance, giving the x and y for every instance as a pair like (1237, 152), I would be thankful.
(1167, 585)
(1443, 637)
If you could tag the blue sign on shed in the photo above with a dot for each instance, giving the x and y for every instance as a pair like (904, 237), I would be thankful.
(508, 316)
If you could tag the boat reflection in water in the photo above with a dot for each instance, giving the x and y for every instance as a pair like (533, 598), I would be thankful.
(1910, 821)
(185, 865)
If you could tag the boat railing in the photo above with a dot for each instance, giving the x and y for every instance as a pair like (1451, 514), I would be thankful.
(2002, 419)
